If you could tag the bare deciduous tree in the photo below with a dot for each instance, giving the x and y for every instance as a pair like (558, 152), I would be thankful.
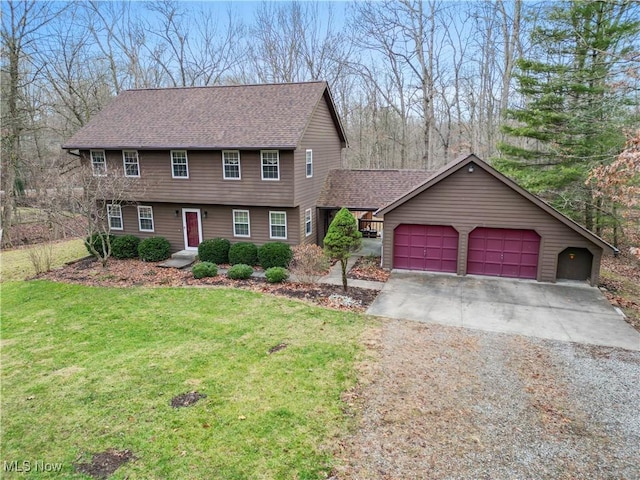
(21, 31)
(293, 42)
(196, 50)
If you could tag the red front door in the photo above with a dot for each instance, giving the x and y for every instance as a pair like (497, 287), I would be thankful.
(503, 252)
(193, 232)
(425, 247)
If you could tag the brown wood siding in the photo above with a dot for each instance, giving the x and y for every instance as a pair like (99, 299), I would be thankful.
(468, 200)
(219, 223)
(322, 137)
(206, 183)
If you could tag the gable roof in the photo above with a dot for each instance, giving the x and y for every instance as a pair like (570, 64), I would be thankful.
(367, 189)
(463, 162)
(235, 116)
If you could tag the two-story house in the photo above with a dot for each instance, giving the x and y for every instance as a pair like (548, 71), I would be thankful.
(245, 163)
(262, 163)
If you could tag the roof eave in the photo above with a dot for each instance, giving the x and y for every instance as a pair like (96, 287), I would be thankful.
(354, 208)
(177, 147)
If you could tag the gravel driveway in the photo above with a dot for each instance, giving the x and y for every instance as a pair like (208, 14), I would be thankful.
(444, 402)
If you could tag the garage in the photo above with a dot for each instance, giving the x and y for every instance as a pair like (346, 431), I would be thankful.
(468, 218)
(433, 248)
(503, 252)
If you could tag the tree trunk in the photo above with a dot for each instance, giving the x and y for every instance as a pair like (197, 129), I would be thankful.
(343, 264)
(588, 211)
(12, 139)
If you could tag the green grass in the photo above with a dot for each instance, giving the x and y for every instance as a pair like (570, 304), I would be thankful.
(85, 369)
(16, 265)
(28, 215)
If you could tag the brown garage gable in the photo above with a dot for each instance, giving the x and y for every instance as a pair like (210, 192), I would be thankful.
(498, 216)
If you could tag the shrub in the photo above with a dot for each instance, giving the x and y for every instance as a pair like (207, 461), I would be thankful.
(215, 250)
(243, 252)
(100, 242)
(342, 238)
(125, 246)
(240, 271)
(154, 249)
(309, 263)
(276, 274)
(275, 254)
(204, 269)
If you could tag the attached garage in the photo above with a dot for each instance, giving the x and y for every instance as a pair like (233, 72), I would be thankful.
(432, 248)
(468, 218)
(503, 252)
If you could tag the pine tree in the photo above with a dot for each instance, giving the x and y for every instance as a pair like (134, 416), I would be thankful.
(343, 237)
(576, 101)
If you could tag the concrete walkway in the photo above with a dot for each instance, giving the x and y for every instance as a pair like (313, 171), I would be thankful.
(370, 246)
(573, 312)
(334, 277)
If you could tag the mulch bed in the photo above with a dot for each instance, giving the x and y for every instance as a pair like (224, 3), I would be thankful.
(128, 273)
(105, 463)
(368, 268)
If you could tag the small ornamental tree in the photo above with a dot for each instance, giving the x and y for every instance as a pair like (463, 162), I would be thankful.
(343, 237)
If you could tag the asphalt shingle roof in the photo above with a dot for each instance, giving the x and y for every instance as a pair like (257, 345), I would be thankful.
(244, 116)
(368, 189)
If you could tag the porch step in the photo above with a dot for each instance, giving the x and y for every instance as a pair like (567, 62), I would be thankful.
(180, 259)
(177, 263)
(186, 254)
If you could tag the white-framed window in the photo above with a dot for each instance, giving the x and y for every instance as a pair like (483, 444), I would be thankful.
(278, 225)
(231, 164)
(241, 227)
(98, 162)
(270, 164)
(114, 213)
(309, 163)
(131, 163)
(179, 164)
(145, 218)
(308, 225)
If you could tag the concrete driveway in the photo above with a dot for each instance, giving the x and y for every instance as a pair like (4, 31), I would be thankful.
(570, 312)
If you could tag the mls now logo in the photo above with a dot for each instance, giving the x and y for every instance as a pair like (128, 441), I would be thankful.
(28, 466)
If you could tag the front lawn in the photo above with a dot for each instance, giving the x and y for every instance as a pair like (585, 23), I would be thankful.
(16, 264)
(87, 369)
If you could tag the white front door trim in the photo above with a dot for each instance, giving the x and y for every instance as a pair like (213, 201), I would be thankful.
(184, 227)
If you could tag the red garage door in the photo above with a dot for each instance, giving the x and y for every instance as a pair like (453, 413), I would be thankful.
(425, 247)
(503, 252)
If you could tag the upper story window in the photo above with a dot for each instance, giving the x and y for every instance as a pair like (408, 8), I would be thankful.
(270, 164)
(179, 164)
(308, 225)
(114, 213)
(145, 218)
(131, 163)
(98, 162)
(231, 164)
(241, 226)
(278, 225)
(309, 163)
